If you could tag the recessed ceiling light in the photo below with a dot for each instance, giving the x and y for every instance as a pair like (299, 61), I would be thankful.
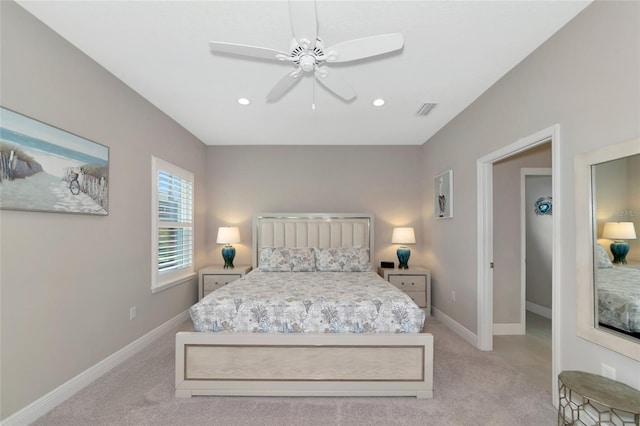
(378, 102)
(244, 101)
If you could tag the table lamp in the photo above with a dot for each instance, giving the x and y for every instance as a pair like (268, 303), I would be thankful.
(619, 231)
(226, 236)
(403, 236)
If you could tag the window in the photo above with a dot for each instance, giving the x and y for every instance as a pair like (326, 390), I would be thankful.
(172, 225)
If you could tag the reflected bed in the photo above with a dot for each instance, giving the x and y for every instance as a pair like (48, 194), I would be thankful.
(619, 298)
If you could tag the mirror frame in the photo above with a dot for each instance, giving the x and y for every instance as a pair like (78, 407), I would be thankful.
(585, 248)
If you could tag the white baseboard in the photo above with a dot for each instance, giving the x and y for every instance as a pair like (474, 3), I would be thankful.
(455, 326)
(540, 310)
(508, 329)
(48, 402)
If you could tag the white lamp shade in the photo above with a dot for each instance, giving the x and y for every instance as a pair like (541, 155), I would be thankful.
(228, 235)
(403, 236)
(619, 231)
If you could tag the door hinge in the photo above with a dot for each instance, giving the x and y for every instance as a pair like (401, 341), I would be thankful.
(491, 265)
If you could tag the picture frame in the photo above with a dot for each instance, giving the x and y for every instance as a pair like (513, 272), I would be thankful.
(443, 195)
(47, 169)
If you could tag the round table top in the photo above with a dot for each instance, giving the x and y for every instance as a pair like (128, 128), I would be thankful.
(601, 389)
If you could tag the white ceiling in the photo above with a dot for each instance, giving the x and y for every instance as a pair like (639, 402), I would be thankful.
(453, 52)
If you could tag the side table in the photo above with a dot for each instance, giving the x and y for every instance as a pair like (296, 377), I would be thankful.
(589, 399)
(213, 277)
(415, 282)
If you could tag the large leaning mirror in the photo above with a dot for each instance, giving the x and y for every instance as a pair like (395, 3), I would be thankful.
(607, 247)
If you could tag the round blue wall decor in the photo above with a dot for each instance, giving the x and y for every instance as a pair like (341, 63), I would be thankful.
(544, 206)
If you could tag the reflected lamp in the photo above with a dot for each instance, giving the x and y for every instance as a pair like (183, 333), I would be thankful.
(619, 231)
(226, 236)
(403, 236)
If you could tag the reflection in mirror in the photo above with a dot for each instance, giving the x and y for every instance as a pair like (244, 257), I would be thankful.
(616, 208)
(607, 189)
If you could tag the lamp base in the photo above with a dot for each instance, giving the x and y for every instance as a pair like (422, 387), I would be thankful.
(619, 249)
(228, 253)
(403, 257)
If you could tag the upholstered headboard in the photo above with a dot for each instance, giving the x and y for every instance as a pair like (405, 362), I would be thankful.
(321, 230)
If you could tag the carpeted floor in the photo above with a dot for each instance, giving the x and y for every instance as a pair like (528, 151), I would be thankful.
(471, 388)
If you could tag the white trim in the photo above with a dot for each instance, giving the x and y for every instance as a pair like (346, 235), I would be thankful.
(455, 326)
(508, 329)
(524, 172)
(485, 242)
(163, 280)
(585, 246)
(158, 288)
(485, 255)
(540, 310)
(48, 402)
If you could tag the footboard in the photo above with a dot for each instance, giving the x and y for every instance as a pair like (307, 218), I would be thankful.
(304, 364)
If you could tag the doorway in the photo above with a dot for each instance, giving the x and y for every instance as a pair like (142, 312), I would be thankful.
(523, 263)
(486, 244)
(536, 247)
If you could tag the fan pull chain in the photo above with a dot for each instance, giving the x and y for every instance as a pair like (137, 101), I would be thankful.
(313, 95)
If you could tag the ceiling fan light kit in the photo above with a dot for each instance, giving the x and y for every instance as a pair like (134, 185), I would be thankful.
(308, 54)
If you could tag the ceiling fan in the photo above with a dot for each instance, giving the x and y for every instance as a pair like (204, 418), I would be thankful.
(308, 53)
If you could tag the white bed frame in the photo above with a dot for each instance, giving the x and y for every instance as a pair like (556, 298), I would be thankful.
(306, 364)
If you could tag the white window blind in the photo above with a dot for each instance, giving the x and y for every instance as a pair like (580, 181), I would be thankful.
(173, 224)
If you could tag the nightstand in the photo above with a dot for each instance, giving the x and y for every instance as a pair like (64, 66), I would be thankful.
(415, 282)
(213, 277)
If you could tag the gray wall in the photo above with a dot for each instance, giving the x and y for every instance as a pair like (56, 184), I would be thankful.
(507, 218)
(68, 281)
(586, 79)
(617, 189)
(633, 214)
(539, 244)
(382, 180)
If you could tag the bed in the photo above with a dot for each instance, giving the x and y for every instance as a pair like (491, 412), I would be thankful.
(322, 348)
(619, 298)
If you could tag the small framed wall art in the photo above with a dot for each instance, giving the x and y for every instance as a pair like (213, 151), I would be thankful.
(43, 168)
(443, 195)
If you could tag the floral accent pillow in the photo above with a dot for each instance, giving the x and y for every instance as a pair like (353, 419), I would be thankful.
(302, 259)
(328, 260)
(343, 260)
(282, 259)
(274, 259)
(603, 260)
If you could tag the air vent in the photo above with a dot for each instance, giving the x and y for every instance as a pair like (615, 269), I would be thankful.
(426, 108)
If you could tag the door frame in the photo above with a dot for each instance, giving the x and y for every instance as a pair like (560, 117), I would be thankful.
(484, 167)
(524, 172)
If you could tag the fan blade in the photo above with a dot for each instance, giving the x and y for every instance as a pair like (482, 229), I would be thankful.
(283, 86)
(245, 50)
(334, 83)
(304, 24)
(367, 47)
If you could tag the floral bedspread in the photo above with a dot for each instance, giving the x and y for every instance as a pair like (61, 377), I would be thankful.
(619, 298)
(308, 302)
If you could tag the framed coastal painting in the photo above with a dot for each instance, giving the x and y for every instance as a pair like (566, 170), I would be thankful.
(43, 168)
(443, 195)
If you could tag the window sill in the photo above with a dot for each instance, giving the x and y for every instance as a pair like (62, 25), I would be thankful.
(163, 286)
